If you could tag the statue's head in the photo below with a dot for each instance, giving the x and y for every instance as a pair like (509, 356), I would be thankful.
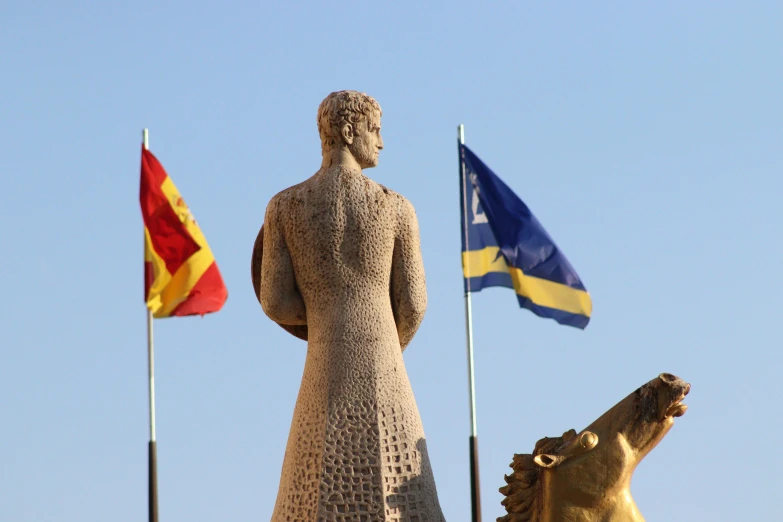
(352, 120)
(592, 470)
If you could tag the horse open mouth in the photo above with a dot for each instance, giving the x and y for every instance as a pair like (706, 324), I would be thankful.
(677, 409)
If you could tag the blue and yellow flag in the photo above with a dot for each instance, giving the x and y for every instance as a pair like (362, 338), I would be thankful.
(503, 244)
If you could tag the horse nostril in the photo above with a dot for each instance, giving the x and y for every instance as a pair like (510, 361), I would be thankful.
(668, 378)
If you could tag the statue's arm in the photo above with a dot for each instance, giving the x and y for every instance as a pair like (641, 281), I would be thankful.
(408, 290)
(279, 295)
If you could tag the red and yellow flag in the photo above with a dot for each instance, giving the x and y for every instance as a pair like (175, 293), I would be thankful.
(180, 273)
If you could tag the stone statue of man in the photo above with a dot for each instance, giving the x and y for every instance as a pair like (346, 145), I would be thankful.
(342, 266)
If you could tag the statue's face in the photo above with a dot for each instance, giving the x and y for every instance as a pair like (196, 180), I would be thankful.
(367, 143)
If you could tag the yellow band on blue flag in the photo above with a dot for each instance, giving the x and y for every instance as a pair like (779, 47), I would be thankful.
(477, 263)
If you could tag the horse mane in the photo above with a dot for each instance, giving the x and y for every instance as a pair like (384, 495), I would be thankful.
(523, 487)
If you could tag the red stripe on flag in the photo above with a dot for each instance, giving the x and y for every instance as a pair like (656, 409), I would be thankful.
(170, 238)
(206, 297)
(149, 278)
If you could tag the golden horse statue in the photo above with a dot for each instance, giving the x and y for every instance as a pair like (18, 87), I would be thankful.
(586, 477)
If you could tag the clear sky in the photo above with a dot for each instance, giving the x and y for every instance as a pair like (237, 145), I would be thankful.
(646, 137)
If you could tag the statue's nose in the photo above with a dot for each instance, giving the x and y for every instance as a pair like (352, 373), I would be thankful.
(674, 382)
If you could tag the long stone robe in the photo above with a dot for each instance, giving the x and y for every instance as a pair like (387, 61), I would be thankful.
(341, 255)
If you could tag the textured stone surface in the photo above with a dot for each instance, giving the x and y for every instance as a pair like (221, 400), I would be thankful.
(341, 256)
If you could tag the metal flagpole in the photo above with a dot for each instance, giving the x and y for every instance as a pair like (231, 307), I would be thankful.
(153, 454)
(475, 495)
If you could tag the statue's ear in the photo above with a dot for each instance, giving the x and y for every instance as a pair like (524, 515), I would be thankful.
(348, 134)
(548, 461)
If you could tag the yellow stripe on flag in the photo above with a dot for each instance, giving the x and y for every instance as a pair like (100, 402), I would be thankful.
(477, 263)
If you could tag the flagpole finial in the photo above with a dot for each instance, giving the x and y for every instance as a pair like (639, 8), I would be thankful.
(461, 134)
(145, 136)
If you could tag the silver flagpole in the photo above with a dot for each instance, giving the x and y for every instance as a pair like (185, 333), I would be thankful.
(475, 494)
(153, 454)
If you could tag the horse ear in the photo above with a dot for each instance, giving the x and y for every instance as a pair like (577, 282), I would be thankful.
(547, 461)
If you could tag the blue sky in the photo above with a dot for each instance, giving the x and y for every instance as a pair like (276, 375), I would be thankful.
(645, 137)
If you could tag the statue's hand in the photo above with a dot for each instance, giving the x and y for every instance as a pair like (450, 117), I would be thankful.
(299, 331)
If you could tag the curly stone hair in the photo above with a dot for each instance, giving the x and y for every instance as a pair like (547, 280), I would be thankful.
(343, 107)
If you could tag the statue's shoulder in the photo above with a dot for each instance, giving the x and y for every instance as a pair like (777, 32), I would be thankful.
(403, 204)
(393, 196)
(281, 201)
